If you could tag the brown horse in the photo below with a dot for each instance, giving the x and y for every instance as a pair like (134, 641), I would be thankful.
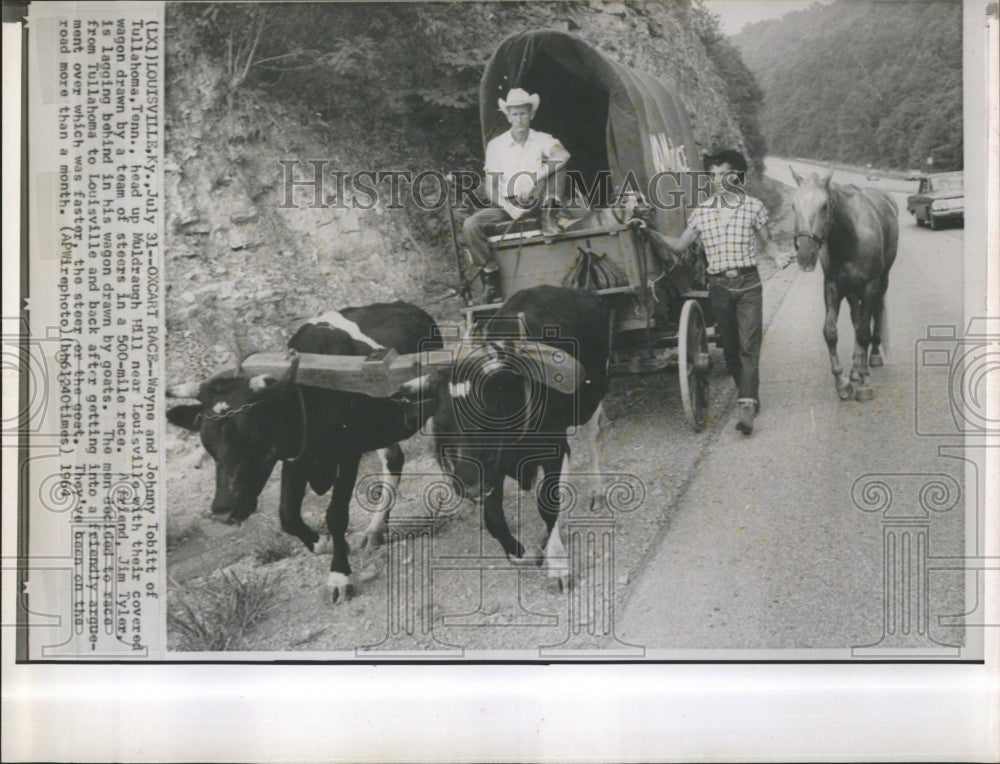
(854, 232)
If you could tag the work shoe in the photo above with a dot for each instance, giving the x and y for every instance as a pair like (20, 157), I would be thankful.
(745, 422)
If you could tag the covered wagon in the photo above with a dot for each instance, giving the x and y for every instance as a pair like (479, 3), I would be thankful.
(632, 155)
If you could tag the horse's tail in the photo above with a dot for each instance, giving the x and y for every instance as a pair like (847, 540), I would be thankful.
(883, 327)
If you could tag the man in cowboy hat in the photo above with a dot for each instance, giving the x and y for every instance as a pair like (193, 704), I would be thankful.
(521, 169)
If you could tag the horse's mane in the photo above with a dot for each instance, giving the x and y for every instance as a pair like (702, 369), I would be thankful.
(841, 192)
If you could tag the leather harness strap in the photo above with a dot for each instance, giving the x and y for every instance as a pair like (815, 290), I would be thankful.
(305, 427)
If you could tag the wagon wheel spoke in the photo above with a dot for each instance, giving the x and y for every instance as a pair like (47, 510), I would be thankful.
(692, 355)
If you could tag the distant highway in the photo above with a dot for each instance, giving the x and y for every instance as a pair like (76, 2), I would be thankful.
(778, 169)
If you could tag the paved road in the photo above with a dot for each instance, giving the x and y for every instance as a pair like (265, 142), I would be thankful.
(768, 549)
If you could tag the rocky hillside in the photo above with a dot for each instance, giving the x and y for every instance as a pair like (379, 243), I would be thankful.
(357, 86)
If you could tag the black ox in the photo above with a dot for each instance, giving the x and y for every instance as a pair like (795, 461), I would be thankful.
(248, 424)
(503, 408)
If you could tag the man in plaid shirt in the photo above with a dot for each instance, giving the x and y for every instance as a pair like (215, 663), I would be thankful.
(731, 225)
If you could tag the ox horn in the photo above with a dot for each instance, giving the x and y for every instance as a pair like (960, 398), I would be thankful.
(242, 356)
(415, 386)
(184, 390)
(263, 382)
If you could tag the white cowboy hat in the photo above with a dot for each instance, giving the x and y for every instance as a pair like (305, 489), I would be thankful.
(518, 97)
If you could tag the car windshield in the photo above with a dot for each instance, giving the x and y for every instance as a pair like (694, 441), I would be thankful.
(947, 183)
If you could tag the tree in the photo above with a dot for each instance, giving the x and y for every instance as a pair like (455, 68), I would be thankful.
(742, 90)
(862, 81)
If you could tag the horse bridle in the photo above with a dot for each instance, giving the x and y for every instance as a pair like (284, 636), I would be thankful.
(820, 240)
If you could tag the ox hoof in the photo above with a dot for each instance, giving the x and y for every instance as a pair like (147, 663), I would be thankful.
(323, 546)
(560, 584)
(559, 578)
(338, 588)
(845, 391)
(864, 393)
(527, 559)
(372, 541)
(876, 360)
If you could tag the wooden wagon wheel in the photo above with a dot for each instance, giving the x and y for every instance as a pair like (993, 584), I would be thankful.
(693, 363)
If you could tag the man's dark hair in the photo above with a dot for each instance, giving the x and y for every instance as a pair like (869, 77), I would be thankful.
(727, 156)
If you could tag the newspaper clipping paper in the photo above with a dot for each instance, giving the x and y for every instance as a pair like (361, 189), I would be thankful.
(93, 562)
(95, 533)
(88, 572)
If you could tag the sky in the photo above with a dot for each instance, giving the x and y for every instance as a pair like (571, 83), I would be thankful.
(734, 14)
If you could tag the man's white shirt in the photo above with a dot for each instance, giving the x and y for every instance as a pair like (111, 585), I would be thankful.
(505, 158)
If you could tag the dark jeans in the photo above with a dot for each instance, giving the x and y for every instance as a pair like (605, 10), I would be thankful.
(474, 229)
(738, 306)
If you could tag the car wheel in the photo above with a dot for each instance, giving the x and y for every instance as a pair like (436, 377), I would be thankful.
(932, 221)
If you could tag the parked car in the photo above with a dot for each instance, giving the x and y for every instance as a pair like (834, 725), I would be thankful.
(914, 174)
(872, 175)
(940, 198)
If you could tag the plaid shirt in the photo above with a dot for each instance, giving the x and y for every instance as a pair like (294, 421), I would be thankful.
(728, 234)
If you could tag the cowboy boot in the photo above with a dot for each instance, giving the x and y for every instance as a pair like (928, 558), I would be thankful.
(550, 211)
(491, 285)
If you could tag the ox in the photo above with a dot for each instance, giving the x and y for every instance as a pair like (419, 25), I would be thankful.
(497, 412)
(319, 435)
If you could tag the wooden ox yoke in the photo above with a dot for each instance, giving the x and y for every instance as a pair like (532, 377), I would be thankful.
(381, 374)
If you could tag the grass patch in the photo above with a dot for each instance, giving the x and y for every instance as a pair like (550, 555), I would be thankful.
(182, 533)
(222, 613)
(273, 549)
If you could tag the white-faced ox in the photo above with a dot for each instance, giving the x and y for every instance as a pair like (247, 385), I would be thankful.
(503, 408)
(248, 424)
